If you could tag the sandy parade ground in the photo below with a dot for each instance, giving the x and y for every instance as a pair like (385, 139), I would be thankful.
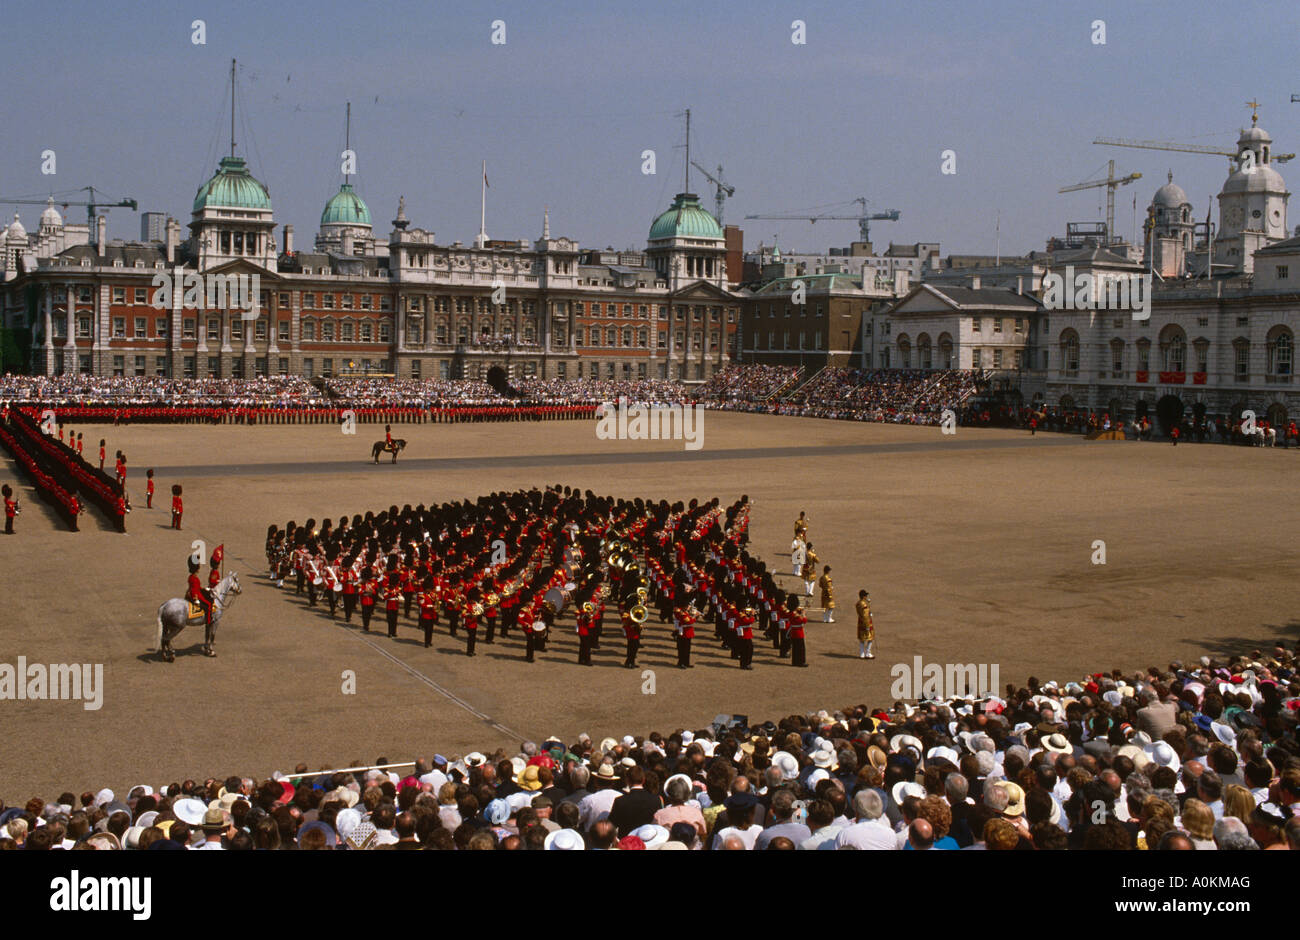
(977, 548)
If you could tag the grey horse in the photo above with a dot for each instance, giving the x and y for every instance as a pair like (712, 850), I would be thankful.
(173, 617)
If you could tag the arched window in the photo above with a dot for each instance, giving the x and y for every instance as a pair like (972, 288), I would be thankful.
(1281, 348)
(923, 356)
(904, 352)
(1173, 349)
(1070, 352)
(945, 351)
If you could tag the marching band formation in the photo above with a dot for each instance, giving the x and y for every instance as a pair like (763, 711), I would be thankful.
(523, 563)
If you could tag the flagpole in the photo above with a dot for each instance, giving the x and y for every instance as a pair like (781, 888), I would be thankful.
(482, 217)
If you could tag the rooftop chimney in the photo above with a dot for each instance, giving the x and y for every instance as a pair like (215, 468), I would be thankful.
(975, 282)
(171, 237)
(101, 234)
(288, 238)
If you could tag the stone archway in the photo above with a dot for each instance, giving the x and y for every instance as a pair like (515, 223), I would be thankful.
(1169, 412)
(1277, 415)
(1141, 408)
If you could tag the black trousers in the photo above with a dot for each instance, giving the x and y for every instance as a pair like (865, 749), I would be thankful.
(453, 620)
(333, 598)
(585, 643)
(407, 598)
(530, 644)
(746, 652)
(427, 624)
(311, 594)
(492, 630)
(473, 638)
(302, 575)
(799, 655)
(349, 605)
(367, 610)
(392, 622)
(683, 650)
(633, 644)
(9, 525)
(785, 644)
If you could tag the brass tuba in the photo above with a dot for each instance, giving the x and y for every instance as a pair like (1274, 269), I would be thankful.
(638, 614)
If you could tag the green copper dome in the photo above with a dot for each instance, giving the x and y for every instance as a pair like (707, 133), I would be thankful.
(685, 219)
(234, 187)
(345, 208)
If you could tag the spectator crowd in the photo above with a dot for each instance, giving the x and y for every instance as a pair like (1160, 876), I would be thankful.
(1202, 757)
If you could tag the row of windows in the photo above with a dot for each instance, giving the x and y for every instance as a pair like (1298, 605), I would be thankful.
(1280, 353)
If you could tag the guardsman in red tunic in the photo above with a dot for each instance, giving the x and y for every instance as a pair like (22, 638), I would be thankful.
(471, 614)
(428, 609)
(798, 651)
(392, 598)
(585, 617)
(102, 453)
(349, 578)
(11, 508)
(684, 617)
(196, 593)
(80, 444)
(369, 589)
(745, 636)
(178, 508)
(632, 633)
(148, 487)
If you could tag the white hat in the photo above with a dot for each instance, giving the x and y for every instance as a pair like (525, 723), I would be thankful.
(1163, 755)
(629, 741)
(518, 765)
(652, 835)
(474, 759)
(944, 753)
(1224, 733)
(817, 776)
(564, 840)
(900, 741)
(607, 745)
(519, 799)
(148, 790)
(190, 811)
(823, 758)
(103, 797)
(131, 838)
(1057, 744)
(905, 788)
(147, 819)
(787, 763)
(688, 737)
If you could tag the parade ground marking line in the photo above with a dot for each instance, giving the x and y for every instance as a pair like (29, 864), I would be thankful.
(490, 462)
(441, 690)
(444, 692)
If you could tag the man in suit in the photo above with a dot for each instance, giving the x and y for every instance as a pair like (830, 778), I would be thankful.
(636, 807)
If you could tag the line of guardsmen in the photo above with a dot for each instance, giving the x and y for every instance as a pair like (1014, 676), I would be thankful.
(519, 561)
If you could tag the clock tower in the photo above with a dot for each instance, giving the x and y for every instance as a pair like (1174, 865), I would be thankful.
(1252, 203)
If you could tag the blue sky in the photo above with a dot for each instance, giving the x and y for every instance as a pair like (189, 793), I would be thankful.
(563, 110)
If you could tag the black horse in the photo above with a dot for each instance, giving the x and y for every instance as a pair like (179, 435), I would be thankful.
(398, 444)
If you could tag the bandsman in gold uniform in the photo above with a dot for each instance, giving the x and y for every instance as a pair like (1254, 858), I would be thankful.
(828, 595)
(801, 527)
(809, 572)
(866, 628)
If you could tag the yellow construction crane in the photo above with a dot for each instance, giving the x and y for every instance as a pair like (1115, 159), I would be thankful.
(1111, 182)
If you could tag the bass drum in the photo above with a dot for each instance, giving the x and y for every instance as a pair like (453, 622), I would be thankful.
(557, 600)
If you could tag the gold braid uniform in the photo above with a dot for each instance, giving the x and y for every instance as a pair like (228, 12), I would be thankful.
(810, 565)
(866, 629)
(828, 592)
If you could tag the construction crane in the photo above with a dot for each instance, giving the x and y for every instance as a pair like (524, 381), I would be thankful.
(863, 218)
(1111, 182)
(1233, 155)
(91, 205)
(720, 193)
(1181, 148)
